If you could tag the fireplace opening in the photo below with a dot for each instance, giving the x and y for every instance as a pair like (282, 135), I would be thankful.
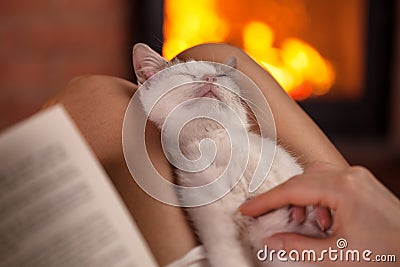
(333, 57)
(301, 43)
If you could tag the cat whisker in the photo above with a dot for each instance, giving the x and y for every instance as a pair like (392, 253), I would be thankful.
(263, 112)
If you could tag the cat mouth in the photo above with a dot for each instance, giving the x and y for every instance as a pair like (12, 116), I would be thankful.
(208, 90)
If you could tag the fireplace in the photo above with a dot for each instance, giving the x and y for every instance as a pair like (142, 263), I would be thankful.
(359, 110)
(345, 89)
(312, 48)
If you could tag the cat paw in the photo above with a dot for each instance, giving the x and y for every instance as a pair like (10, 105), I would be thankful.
(313, 220)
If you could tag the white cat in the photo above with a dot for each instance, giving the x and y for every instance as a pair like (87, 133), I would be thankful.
(229, 238)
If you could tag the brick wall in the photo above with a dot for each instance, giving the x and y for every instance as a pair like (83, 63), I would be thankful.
(45, 43)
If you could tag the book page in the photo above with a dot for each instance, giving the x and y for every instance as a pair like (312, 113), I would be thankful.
(57, 205)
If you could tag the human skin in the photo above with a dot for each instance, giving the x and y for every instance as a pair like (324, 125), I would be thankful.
(97, 104)
(367, 214)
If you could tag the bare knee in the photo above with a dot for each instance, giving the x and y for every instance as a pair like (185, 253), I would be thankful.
(100, 85)
(90, 88)
(97, 104)
(219, 52)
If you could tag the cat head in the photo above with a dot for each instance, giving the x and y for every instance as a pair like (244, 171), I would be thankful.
(190, 80)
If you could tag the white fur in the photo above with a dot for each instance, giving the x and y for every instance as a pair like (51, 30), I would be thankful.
(229, 238)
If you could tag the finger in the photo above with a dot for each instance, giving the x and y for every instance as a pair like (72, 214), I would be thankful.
(255, 206)
(298, 214)
(302, 190)
(323, 216)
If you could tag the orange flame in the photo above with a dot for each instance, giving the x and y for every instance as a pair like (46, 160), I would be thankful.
(297, 66)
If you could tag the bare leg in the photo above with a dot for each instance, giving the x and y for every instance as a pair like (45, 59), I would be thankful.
(97, 105)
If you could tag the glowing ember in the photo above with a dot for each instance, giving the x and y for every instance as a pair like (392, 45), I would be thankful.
(297, 66)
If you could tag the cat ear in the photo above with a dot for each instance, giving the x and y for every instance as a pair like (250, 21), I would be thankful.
(146, 62)
(231, 62)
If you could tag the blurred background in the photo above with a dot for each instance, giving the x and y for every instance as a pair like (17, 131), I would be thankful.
(339, 59)
(45, 43)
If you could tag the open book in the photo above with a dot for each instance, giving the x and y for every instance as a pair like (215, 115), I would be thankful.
(57, 205)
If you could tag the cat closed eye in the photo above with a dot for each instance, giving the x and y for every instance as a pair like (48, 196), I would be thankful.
(188, 75)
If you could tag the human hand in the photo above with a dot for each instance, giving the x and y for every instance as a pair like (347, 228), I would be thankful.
(366, 214)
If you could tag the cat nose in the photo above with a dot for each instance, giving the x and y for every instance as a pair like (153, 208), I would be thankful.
(210, 78)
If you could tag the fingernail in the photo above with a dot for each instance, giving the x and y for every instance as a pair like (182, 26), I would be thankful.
(273, 243)
(321, 225)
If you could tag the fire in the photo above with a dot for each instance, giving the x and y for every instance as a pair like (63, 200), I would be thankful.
(189, 23)
(298, 67)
